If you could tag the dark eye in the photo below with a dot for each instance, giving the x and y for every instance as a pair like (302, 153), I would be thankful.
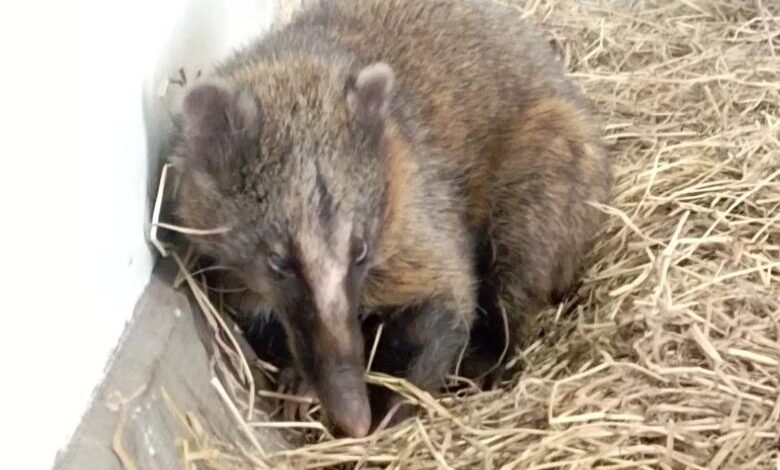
(361, 250)
(277, 264)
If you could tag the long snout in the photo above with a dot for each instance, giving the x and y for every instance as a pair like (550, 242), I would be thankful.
(340, 381)
(331, 358)
(329, 341)
(344, 395)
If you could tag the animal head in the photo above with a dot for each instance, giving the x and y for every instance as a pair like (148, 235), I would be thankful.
(289, 159)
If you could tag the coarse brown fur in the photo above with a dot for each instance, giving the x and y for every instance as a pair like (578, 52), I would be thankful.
(472, 177)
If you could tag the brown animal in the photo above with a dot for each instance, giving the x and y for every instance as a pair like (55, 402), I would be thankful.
(399, 157)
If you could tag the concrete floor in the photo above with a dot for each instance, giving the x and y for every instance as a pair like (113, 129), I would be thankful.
(161, 348)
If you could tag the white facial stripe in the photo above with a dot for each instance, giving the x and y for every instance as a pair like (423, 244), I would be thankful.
(329, 287)
(326, 262)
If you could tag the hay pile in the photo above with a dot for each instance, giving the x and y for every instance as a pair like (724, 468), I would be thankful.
(670, 356)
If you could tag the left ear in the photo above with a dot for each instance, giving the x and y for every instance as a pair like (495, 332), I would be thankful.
(368, 95)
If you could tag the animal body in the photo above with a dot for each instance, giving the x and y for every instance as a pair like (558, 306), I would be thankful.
(410, 160)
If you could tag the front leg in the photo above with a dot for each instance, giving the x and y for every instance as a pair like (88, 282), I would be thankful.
(421, 344)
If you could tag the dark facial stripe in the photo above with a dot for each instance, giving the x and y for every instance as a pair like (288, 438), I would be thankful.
(325, 200)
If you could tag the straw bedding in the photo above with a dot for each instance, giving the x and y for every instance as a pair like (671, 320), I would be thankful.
(669, 356)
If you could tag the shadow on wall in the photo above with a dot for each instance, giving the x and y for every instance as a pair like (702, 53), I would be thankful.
(203, 32)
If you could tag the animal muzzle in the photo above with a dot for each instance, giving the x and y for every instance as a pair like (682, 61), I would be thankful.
(331, 356)
(344, 395)
(331, 349)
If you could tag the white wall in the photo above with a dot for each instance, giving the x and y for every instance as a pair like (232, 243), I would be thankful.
(76, 80)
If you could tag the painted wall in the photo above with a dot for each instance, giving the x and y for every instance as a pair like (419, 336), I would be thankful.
(83, 108)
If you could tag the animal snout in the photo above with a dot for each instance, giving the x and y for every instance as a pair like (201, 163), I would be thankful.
(345, 397)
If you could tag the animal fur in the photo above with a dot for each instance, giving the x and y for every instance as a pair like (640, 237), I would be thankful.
(442, 136)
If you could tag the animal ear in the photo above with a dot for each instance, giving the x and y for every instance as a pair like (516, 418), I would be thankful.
(368, 95)
(218, 123)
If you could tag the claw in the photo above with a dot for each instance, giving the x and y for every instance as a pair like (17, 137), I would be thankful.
(290, 382)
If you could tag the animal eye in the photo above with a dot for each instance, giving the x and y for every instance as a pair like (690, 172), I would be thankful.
(277, 264)
(361, 252)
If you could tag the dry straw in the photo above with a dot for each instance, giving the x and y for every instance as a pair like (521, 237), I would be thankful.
(669, 356)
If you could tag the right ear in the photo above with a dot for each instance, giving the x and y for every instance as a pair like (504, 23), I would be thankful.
(218, 124)
(368, 96)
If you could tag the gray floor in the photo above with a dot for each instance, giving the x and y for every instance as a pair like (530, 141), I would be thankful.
(160, 349)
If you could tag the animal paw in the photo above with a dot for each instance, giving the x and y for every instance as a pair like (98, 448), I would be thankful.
(302, 397)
